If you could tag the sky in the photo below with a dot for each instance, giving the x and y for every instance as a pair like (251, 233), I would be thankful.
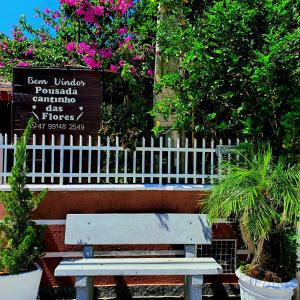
(11, 10)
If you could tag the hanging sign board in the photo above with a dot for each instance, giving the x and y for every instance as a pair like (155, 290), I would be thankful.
(60, 100)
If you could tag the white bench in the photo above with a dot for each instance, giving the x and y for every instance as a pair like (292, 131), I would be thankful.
(89, 230)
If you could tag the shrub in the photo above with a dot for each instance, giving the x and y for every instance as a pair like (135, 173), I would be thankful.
(20, 240)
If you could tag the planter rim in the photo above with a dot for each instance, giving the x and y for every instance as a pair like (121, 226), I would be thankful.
(38, 269)
(292, 284)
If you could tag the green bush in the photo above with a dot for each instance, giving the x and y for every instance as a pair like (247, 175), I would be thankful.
(20, 240)
(237, 70)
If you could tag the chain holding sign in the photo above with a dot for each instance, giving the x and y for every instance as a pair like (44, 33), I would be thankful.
(60, 100)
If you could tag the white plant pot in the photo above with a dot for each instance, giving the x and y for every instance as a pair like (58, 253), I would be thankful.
(254, 289)
(24, 286)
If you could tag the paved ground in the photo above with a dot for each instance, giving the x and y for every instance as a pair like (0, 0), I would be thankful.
(216, 292)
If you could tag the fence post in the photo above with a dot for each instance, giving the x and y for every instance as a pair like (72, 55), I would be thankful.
(1, 158)
(61, 168)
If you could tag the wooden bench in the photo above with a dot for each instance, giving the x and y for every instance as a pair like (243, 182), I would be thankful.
(89, 230)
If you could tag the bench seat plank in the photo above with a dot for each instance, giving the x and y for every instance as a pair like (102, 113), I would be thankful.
(137, 229)
(138, 266)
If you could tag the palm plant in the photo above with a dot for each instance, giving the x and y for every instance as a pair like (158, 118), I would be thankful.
(261, 194)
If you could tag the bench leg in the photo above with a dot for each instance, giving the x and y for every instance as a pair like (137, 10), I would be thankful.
(193, 287)
(84, 288)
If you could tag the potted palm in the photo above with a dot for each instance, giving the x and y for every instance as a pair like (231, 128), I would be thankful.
(20, 240)
(262, 195)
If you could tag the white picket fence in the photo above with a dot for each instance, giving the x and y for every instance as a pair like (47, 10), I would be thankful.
(65, 159)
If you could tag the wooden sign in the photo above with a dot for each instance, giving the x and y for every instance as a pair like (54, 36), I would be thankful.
(60, 100)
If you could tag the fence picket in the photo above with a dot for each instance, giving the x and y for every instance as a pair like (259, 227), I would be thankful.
(134, 166)
(5, 158)
(177, 159)
(71, 157)
(229, 154)
(220, 159)
(151, 160)
(186, 159)
(195, 161)
(15, 144)
(117, 160)
(169, 158)
(212, 144)
(43, 158)
(107, 158)
(203, 160)
(160, 159)
(52, 156)
(143, 159)
(99, 159)
(80, 158)
(33, 157)
(125, 165)
(90, 158)
(61, 160)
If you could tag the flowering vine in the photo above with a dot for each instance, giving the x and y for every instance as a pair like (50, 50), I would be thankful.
(99, 34)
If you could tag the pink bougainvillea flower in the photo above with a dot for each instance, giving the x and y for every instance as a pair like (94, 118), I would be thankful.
(151, 48)
(47, 11)
(70, 2)
(70, 46)
(106, 53)
(113, 68)
(84, 46)
(23, 64)
(2, 65)
(122, 30)
(138, 57)
(129, 47)
(3, 47)
(133, 70)
(57, 14)
(89, 17)
(92, 52)
(123, 6)
(127, 39)
(98, 10)
(92, 63)
(80, 11)
(150, 73)
(18, 35)
(29, 52)
(43, 37)
(121, 63)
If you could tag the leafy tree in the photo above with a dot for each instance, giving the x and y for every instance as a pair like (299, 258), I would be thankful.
(20, 240)
(237, 70)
